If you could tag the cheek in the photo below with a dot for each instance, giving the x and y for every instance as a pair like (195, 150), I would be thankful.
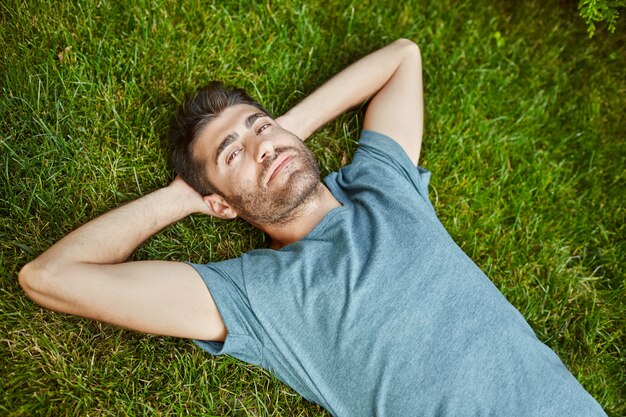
(221, 181)
(244, 177)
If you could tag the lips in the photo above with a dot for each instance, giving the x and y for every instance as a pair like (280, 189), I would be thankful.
(278, 165)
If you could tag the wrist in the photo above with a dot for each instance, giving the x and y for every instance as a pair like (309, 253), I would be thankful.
(186, 199)
(300, 126)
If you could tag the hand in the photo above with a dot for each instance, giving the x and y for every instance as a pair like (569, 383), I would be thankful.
(286, 122)
(188, 197)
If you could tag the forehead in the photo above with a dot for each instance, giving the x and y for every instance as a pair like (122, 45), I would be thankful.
(231, 120)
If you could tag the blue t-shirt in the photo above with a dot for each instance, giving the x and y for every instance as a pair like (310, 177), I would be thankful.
(378, 312)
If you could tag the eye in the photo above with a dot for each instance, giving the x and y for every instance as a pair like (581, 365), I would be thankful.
(262, 128)
(232, 156)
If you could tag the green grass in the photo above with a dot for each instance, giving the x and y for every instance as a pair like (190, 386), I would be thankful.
(524, 135)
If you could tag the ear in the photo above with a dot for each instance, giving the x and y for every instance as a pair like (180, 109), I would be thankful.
(218, 207)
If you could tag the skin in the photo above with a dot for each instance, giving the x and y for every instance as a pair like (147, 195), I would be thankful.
(267, 176)
(87, 273)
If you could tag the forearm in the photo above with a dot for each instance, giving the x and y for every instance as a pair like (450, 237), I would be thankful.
(112, 237)
(347, 89)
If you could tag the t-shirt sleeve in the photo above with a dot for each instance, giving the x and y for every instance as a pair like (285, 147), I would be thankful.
(226, 284)
(378, 149)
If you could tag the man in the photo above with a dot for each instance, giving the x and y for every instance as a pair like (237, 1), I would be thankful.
(363, 303)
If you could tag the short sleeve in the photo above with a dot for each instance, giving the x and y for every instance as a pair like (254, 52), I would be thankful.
(226, 285)
(378, 149)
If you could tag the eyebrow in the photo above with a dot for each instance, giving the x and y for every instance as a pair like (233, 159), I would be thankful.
(233, 137)
(225, 144)
(253, 118)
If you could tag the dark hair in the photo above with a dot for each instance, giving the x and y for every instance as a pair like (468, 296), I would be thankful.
(192, 116)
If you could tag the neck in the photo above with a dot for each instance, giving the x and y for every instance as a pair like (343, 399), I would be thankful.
(308, 216)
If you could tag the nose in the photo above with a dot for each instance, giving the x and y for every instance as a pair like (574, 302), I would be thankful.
(265, 150)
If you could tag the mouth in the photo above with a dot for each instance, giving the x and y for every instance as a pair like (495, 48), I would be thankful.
(278, 166)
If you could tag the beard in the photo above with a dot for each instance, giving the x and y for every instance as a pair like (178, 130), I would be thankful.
(279, 203)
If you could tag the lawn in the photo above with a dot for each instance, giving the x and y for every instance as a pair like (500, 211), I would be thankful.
(524, 135)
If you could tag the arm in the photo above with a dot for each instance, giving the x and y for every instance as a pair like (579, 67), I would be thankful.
(85, 273)
(391, 76)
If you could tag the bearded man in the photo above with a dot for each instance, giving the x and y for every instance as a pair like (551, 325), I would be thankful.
(363, 303)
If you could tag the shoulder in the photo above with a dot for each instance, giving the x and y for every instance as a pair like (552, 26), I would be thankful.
(381, 148)
(384, 159)
(383, 170)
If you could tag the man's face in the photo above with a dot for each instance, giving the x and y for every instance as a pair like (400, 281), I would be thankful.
(263, 171)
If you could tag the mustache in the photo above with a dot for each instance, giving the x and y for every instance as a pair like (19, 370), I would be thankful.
(277, 152)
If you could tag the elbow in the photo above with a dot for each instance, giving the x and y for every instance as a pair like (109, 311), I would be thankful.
(45, 282)
(408, 45)
(410, 48)
(27, 278)
(32, 279)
